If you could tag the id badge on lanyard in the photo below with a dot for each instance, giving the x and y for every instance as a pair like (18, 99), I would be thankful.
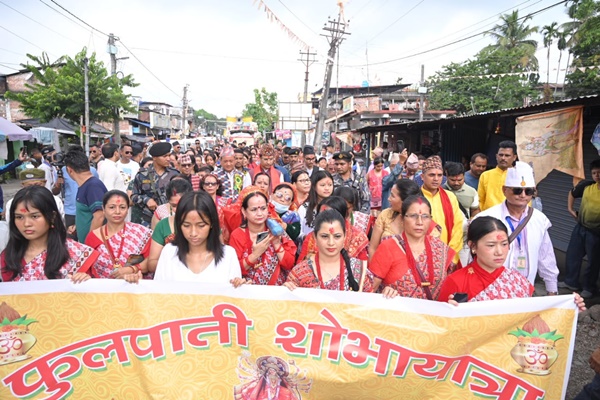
(521, 260)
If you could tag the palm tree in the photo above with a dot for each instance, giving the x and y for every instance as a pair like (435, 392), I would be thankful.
(549, 33)
(564, 38)
(513, 34)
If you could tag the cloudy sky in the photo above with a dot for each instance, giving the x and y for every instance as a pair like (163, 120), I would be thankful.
(224, 49)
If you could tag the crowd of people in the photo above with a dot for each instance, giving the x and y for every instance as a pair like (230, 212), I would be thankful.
(405, 225)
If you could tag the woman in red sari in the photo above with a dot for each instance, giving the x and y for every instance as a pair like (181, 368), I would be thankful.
(36, 227)
(117, 239)
(413, 264)
(265, 261)
(330, 267)
(485, 278)
(356, 242)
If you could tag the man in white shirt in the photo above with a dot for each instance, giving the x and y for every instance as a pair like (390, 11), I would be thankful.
(108, 172)
(126, 165)
(36, 154)
(35, 177)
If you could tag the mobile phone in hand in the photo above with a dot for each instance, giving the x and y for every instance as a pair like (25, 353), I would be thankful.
(461, 297)
(262, 236)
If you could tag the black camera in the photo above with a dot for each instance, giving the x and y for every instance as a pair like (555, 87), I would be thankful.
(57, 162)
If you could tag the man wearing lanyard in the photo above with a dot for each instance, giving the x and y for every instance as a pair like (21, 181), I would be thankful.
(531, 251)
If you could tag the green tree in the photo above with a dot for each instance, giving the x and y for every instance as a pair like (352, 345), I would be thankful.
(585, 28)
(549, 33)
(58, 90)
(264, 111)
(514, 34)
(492, 80)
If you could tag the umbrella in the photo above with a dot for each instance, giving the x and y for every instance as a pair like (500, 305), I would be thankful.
(13, 132)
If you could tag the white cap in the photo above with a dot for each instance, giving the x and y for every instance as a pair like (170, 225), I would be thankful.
(521, 175)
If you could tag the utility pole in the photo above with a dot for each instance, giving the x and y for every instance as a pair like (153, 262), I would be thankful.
(184, 113)
(422, 91)
(307, 62)
(112, 50)
(87, 106)
(337, 30)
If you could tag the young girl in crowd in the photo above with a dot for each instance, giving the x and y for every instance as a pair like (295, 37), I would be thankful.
(330, 267)
(38, 247)
(322, 187)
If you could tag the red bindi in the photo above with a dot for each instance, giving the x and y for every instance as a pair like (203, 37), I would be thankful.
(499, 236)
(118, 200)
(331, 230)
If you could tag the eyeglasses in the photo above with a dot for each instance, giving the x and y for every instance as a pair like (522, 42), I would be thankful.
(309, 158)
(528, 191)
(416, 217)
(210, 184)
(281, 196)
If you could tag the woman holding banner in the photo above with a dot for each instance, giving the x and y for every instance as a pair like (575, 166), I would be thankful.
(485, 278)
(330, 267)
(35, 228)
(413, 264)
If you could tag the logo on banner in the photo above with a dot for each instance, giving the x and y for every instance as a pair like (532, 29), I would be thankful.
(535, 352)
(15, 339)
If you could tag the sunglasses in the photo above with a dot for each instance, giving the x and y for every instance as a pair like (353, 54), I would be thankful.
(185, 165)
(210, 184)
(528, 191)
(128, 152)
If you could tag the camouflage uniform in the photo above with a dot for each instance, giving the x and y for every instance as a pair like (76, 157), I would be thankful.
(357, 182)
(147, 185)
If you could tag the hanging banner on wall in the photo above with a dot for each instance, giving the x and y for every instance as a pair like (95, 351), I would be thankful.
(110, 339)
(552, 140)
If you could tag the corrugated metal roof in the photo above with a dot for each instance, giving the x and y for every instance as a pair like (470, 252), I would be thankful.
(404, 125)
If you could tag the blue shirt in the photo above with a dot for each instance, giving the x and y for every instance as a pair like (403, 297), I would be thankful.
(71, 191)
(471, 180)
(88, 201)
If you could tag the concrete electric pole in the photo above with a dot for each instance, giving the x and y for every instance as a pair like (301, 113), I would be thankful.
(112, 50)
(184, 113)
(337, 30)
(88, 131)
(308, 61)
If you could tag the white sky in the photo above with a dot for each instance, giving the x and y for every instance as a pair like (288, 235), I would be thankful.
(224, 49)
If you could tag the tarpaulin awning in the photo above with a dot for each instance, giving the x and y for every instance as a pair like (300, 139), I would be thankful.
(12, 131)
(139, 122)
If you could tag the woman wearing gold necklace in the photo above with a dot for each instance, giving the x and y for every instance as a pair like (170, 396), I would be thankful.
(330, 267)
(117, 239)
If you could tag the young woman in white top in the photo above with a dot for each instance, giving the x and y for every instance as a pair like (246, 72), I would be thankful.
(196, 254)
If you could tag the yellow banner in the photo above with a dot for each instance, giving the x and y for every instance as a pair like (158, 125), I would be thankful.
(108, 339)
(552, 140)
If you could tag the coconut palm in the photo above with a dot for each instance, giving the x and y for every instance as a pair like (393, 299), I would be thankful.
(549, 33)
(563, 38)
(513, 34)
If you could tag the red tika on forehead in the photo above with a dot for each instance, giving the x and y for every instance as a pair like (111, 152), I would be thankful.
(499, 236)
(331, 230)
(23, 210)
(420, 201)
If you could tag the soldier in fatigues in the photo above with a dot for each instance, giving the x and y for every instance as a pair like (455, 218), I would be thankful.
(346, 177)
(148, 187)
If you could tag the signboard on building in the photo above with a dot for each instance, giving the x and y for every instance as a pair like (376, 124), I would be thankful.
(348, 104)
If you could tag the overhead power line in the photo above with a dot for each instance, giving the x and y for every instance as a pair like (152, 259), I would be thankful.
(455, 41)
(148, 69)
(298, 18)
(37, 22)
(396, 21)
(79, 19)
(22, 38)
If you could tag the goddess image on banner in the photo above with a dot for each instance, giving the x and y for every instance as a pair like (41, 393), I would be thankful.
(552, 140)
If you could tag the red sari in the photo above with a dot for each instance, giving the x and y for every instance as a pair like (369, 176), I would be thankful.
(268, 271)
(480, 285)
(306, 275)
(132, 239)
(83, 259)
(356, 244)
(391, 264)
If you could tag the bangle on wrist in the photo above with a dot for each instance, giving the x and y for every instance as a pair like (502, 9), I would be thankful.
(248, 262)
(278, 248)
(134, 268)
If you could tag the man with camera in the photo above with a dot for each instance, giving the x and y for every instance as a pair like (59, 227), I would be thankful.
(43, 164)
